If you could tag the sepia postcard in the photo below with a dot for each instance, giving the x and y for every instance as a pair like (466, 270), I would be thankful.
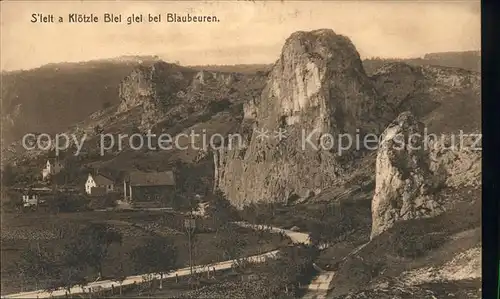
(241, 149)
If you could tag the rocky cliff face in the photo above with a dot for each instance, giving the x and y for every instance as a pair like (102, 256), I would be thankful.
(317, 88)
(445, 99)
(169, 92)
(154, 89)
(405, 184)
(204, 78)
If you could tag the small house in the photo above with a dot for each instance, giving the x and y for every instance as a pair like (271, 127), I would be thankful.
(52, 167)
(30, 199)
(98, 184)
(141, 186)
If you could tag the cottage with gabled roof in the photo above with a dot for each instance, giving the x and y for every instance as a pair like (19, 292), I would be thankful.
(141, 186)
(98, 184)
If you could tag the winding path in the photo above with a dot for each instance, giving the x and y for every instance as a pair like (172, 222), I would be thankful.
(296, 237)
(320, 285)
(108, 284)
(318, 288)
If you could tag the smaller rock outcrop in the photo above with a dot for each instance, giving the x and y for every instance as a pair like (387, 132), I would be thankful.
(405, 183)
(250, 109)
(154, 88)
(213, 78)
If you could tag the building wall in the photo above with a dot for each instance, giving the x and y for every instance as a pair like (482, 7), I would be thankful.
(90, 188)
(163, 194)
(98, 191)
(30, 200)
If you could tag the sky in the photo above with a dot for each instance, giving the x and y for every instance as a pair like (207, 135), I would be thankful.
(248, 32)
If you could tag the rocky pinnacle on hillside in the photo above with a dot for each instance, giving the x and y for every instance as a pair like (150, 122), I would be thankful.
(317, 86)
(404, 179)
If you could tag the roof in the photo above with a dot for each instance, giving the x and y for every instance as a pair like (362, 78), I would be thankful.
(139, 178)
(102, 180)
(31, 194)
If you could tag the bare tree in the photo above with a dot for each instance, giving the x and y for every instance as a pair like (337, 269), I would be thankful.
(119, 276)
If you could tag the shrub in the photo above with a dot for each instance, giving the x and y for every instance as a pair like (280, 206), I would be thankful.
(184, 203)
(11, 201)
(230, 242)
(8, 175)
(61, 202)
(103, 202)
(282, 276)
(220, 209)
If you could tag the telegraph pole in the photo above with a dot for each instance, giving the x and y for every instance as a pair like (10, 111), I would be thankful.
(190, 225)
(190, 252)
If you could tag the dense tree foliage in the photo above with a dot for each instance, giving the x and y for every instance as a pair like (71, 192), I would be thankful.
(157, 255)
(229, 242)
(220, 210)
(37, 264)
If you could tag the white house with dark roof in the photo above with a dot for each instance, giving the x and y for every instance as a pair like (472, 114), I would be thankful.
(98, 184)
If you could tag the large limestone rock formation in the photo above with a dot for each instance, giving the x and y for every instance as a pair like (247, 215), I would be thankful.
(405, 184)
(317, 88)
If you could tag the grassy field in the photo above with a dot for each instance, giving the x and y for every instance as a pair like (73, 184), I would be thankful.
(20, 231)
(461, 289)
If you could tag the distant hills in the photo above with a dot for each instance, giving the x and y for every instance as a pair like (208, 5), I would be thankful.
(237, 68)
(469, 60)
(52, 97)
